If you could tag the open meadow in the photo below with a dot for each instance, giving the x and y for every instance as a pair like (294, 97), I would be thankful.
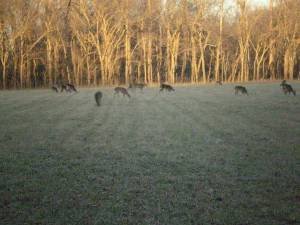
(196, 156)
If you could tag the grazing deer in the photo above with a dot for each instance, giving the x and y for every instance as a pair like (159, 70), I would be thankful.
(141, 86)
(98, 97)
(287, 88)
(166, 87)
(241, 89)
(68, 88)
(122, 90)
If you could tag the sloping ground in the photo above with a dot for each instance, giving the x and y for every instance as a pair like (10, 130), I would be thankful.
(197, 156)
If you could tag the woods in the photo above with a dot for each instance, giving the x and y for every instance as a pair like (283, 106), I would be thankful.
(93, 42)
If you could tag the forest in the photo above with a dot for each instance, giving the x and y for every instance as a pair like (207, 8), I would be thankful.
(118, 42)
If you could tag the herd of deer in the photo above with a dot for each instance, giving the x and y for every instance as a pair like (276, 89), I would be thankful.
(286, 88)
(122, 90)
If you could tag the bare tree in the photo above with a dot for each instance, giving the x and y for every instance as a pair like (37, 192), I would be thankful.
(92, 42)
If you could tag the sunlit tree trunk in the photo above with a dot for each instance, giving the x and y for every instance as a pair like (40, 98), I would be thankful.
(172, 54)
(220, 41)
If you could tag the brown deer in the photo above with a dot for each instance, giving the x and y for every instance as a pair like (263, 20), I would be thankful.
(122, 90)
(241, 89)
(98, 97)
(166, 87)
(68, 88)
(287, 88)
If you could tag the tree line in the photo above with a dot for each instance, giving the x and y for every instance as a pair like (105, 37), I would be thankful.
(108, 42)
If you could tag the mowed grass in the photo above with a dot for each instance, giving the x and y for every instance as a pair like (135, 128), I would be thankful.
(199, 155)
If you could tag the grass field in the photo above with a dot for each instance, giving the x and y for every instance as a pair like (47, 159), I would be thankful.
(200, 156)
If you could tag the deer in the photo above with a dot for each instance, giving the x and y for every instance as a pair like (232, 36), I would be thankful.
(122, 90)
(241, 89)
(166, 87)
(98, 97)
(68, 88)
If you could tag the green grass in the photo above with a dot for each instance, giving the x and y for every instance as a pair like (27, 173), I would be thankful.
(197, 156)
